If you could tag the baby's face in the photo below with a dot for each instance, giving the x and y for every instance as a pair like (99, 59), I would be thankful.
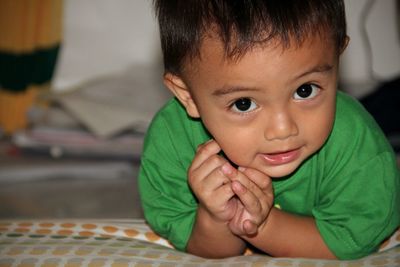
(271, 109)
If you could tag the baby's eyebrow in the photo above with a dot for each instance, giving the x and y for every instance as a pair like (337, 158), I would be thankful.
(225, 90)
(316, 69)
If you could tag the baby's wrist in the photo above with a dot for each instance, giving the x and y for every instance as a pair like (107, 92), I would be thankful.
(208, 217)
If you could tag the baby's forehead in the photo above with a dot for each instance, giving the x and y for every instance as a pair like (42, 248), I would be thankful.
(234, 49)
(213, 52)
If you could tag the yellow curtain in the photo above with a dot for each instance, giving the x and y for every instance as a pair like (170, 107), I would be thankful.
(30, 37)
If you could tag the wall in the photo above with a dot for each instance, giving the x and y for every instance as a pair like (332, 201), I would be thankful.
(103, 37)
(364, 65)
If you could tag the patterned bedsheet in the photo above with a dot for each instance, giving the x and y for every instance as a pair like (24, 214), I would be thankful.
(132, 243)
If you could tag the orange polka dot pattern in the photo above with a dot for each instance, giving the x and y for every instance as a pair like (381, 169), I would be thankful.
(134, 229)
(132, 243)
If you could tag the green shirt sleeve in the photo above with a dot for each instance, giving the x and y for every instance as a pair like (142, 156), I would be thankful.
(169, 212)
(168, 203)
(359, 200)
(359, 211)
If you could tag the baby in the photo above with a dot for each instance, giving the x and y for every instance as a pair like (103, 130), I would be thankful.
(258, 147)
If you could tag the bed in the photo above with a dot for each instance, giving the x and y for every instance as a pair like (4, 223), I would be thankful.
(132, 243)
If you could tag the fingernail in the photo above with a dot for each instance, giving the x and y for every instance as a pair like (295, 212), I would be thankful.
(242, 169)
(227, 168)
(203, 144)
(209, 141)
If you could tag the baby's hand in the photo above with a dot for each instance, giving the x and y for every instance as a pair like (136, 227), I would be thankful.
(255, 192)
(209, 183)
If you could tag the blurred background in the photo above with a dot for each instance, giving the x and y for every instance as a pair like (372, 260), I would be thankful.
(81, 79)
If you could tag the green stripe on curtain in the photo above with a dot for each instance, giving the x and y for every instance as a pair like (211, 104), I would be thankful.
(17, 71)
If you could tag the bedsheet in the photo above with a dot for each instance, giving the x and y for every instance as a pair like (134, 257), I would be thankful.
(120, 243)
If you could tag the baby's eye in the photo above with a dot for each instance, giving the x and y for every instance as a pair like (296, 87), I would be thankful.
(243, 105)
(306, 91)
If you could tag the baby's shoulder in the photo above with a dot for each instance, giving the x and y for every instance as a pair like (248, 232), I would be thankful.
(352, 118)
(349, 111)
(354, 128)
(172, 124)
(171, 116)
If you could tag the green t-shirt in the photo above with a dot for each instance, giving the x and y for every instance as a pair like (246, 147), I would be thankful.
(351, 186)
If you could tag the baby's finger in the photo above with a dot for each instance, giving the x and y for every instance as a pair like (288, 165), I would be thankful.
(249, 227)
(211, 167)
(218, 201)
(203, 152)
(263, 181)
(224, 193)
(213, 178)
(245, 181)
(249, 200)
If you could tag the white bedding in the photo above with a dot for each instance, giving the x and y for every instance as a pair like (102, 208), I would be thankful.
(132, 243)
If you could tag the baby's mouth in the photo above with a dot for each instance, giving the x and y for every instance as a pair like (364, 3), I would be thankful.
(282, 157)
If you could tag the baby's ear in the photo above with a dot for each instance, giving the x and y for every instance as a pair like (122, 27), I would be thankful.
(178, 87)
(346, 43)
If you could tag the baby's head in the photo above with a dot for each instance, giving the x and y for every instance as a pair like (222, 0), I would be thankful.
(242, 24)
(261, 75)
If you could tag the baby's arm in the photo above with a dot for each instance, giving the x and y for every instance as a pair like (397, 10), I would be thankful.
(211, 236)
(279, 233)
(288, 235)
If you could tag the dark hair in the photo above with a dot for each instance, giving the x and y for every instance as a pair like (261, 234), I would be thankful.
(243, 23)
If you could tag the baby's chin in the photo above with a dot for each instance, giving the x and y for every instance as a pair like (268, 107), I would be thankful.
(277, 172)
(273, 171)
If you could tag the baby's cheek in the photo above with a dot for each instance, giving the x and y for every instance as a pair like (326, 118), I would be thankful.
(238, 154)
